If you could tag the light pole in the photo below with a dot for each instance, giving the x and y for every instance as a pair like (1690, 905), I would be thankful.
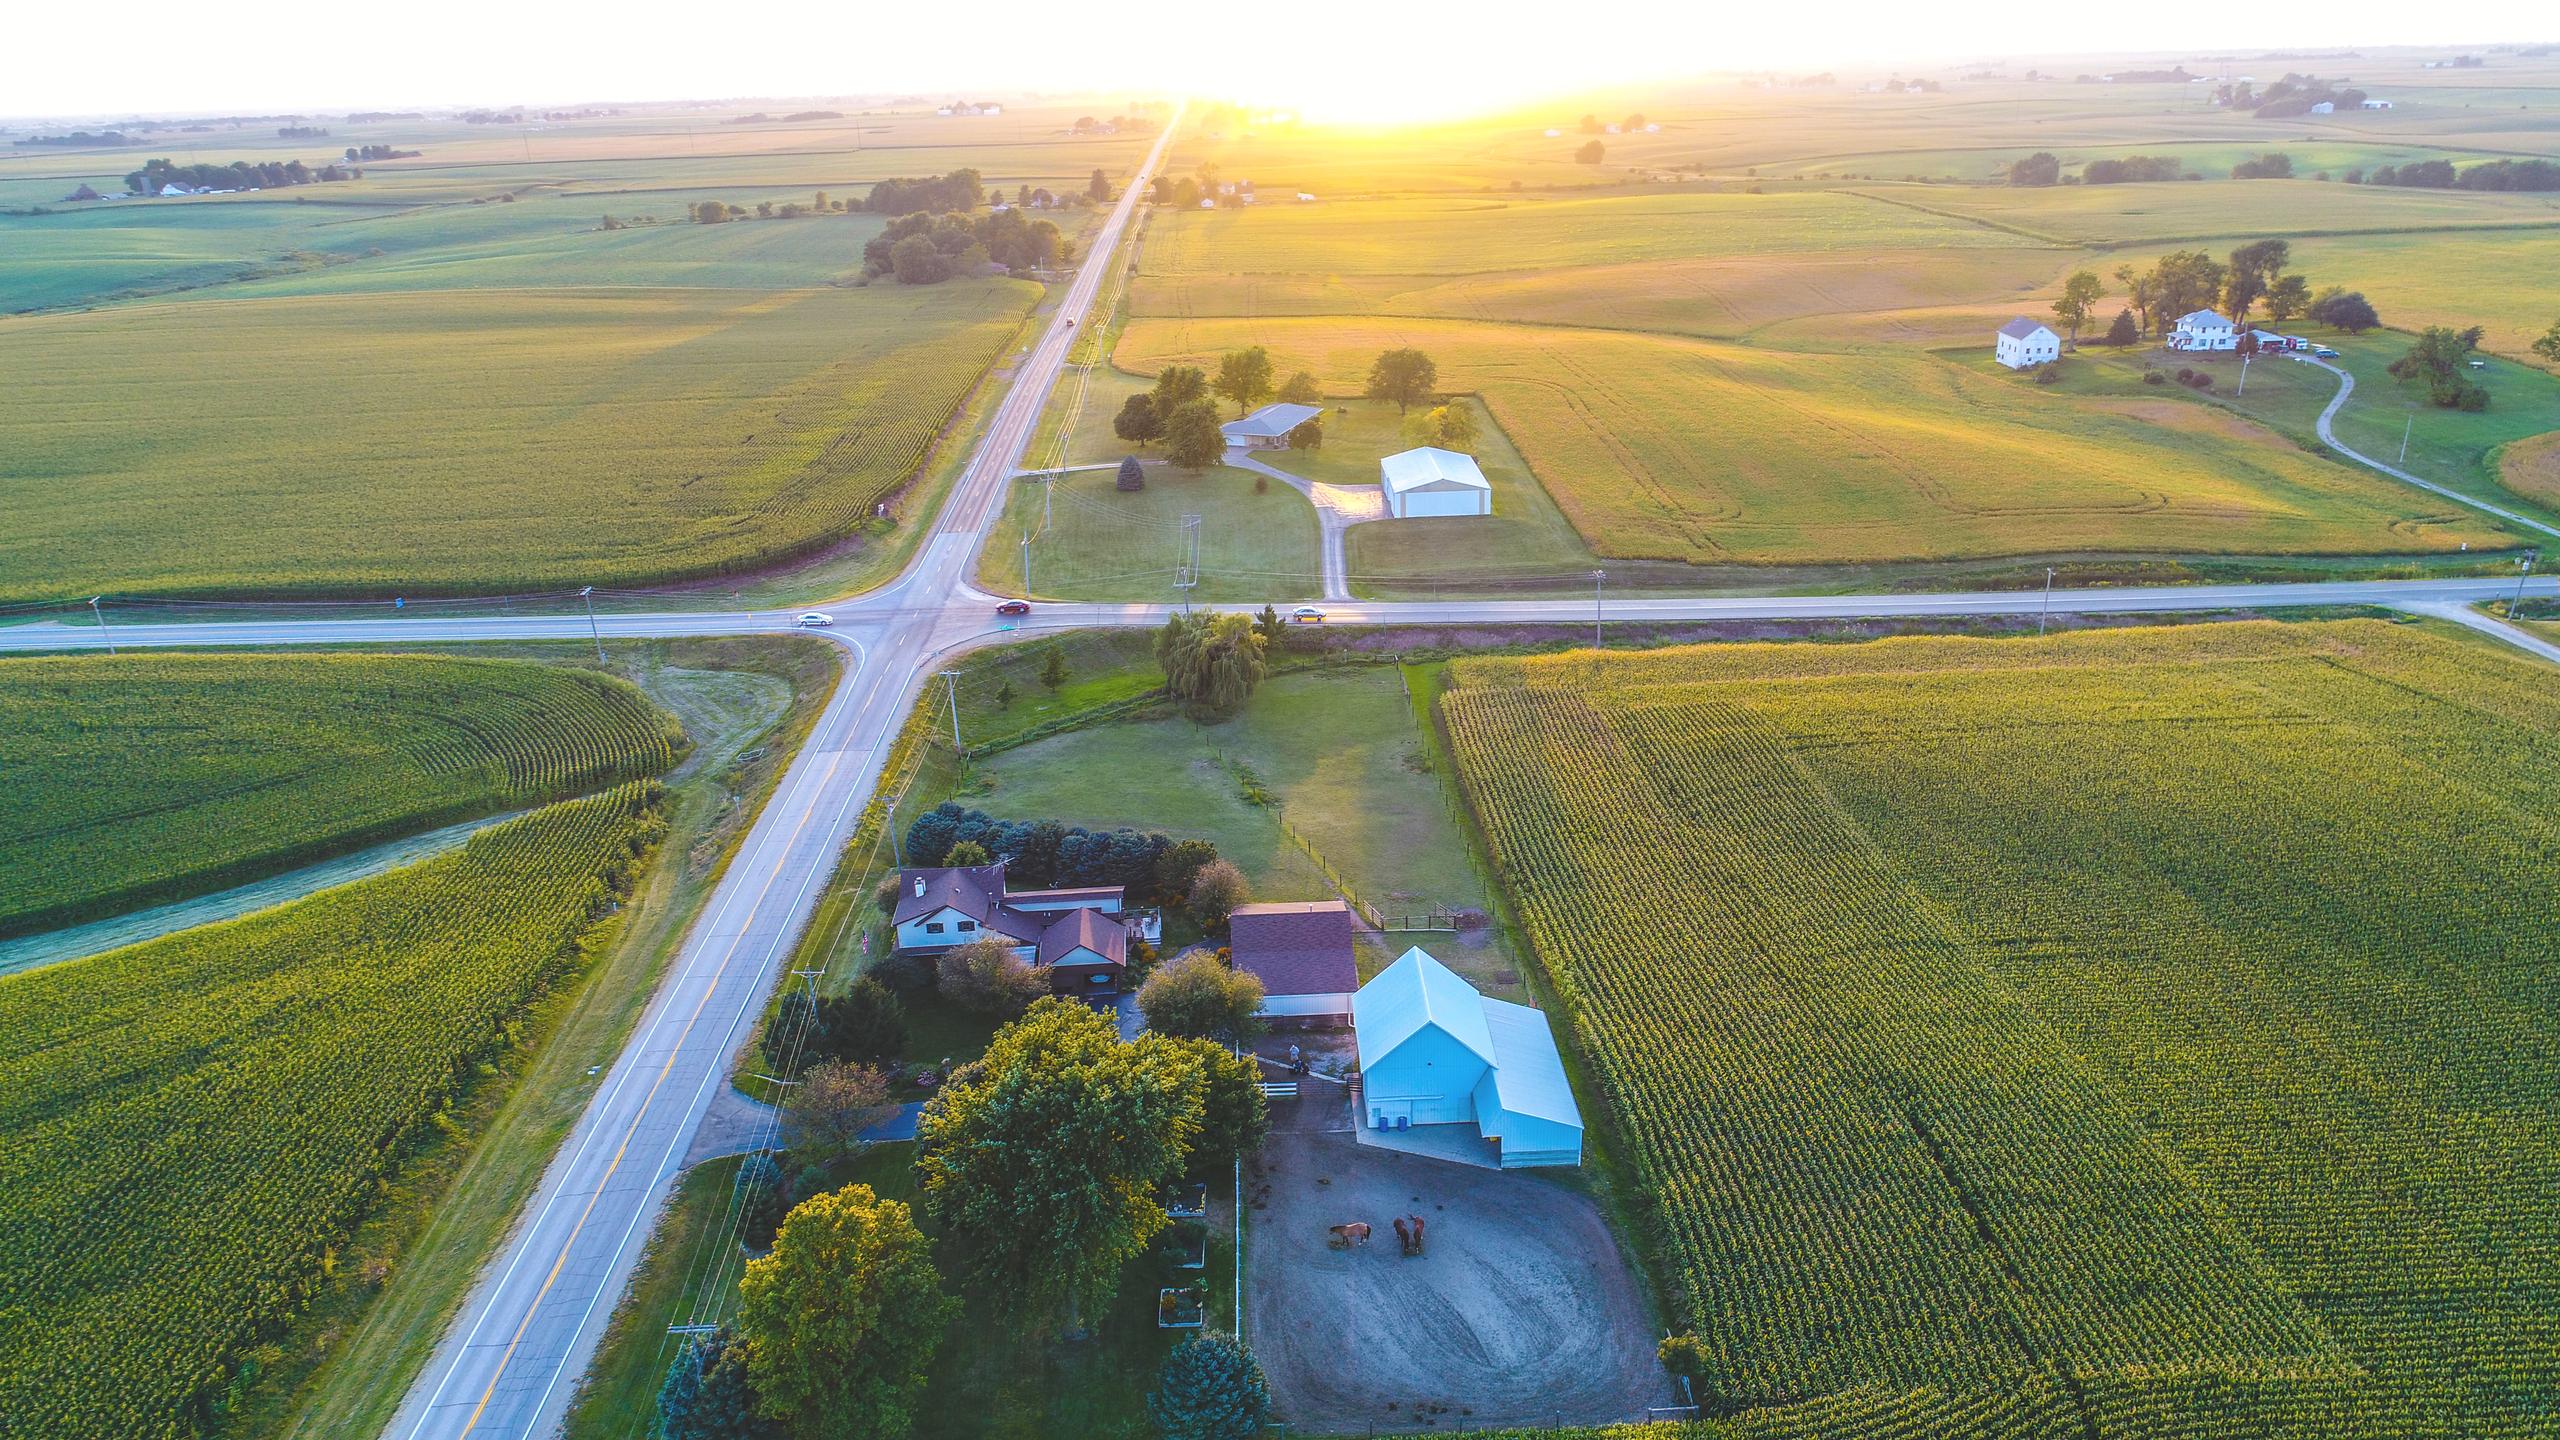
(2524, 568)
(2410, 425)
(1597, 578)
(102, 624)
(589, 595)
(2243, 387)
(2046, 613)
(1026, 564)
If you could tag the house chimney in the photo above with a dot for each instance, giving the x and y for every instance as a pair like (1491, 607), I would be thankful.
(919, 887)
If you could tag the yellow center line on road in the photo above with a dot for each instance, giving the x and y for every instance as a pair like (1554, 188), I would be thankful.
(562, 1259)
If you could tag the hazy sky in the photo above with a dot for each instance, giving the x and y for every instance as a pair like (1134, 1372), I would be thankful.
(1349, 58)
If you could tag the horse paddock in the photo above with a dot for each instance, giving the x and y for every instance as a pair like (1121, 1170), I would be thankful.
(1520, 1311)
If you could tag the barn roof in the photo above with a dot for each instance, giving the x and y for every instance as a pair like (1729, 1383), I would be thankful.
(1429, 465)
(1296, 948)
(1528, 1071)
(1414, 994)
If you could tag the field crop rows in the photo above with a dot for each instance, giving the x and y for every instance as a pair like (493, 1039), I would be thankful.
(150, 778)
(1688, 450)
(187, 1126)
(470, 441)
(2146, 1033)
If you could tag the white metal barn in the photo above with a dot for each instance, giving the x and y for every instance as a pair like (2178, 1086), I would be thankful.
(1433, 481)
(2023, 342)
(1435, 1052)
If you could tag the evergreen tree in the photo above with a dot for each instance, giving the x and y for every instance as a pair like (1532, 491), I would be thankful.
(1131, 476)
(1053, 670)
(866, 1025)
(1210, 1389)
(707, 1395)
(2123, 331)
(762, 1199)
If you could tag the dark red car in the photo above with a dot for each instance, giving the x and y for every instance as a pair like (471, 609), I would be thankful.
(1014, 607)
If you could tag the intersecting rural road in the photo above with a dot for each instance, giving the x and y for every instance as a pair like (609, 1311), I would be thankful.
(510, 1359)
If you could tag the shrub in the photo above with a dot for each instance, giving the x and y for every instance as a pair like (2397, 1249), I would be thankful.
(985, 977)
(761, 1199)
(1199, 996)
(1216, 892)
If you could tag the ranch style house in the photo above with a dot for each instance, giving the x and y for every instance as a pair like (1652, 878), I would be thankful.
(1078, 934)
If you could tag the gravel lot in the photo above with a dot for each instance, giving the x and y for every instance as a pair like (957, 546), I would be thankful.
(1523, 1311)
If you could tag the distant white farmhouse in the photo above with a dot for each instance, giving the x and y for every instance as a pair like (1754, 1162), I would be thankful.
(1435, 1052)
(2325, 107)
(2374, 105)
(1433, 481)
(1268, 428)
(2023, 342)
(2204, 330)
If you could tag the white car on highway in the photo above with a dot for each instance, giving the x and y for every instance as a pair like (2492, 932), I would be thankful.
(816, 619)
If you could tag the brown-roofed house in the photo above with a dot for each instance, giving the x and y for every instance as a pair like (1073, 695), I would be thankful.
(1301, 952)
(1076, 931)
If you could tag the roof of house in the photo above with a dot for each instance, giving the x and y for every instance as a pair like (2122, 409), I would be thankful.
(1272, 420)
(976, 891)
(1070, 893)
(1430, 465)
(2023, 328)
(1087, 929)
(1528, 1072)
(1414, 994)
(1295, 948)
(2203, 320)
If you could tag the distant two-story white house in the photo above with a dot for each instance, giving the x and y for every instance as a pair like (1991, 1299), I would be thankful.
(2022, 342)
(1077, 933)
(2204, 330)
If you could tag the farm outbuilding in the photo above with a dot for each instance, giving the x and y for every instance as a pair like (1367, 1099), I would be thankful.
(2022, 342)
(1433, 481)
(1433, 1051)
(1301, 951)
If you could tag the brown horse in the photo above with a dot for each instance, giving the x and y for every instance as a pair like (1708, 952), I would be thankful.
(1345, 1236)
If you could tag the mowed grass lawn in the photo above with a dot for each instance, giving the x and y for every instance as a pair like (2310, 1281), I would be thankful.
(1688, 450)
(468, 441)
(1097, 543)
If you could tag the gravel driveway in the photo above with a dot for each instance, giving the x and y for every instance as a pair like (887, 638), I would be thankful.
(1523, 1312)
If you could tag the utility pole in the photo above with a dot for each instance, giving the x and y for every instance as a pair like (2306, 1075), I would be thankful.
(589, 595)
(897, 845)
(2047, 613)
(1598, 577)
(1026, 564)
(2524, 568)
(102, 624)
(951, 688)
(2243, 387)
(1186, 571)
(2404, 436)
(1048, 493)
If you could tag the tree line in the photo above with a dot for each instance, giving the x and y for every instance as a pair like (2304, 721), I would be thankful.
(962, 189)
(924, 249)
(2184, 281)
(2488, 175)
(238, 175)
(1178, 410)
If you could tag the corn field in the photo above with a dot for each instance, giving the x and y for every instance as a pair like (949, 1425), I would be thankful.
(2143, 1033)
(140, 779)
(187, 1126)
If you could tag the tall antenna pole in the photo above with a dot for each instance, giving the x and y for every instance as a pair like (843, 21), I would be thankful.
(110, 639)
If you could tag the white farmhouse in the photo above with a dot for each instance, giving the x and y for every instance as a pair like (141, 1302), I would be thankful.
(2023, 342)
(1268, 428)
(2204, 330)
(1435, 1052)
(1432, 481)
(2374, 104)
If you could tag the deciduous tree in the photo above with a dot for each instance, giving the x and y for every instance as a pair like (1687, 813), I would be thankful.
(1199, 995)
(1307, 434)
(2548, 347)
(1590, 153)
(707, 1395)
(2041, 168)
(985, 977)
(1405, 376)
(1217, 890)
(2288, 296)
(1043, 1161)
(760, 1198)
(1211, 661)
(840, 1321)
(1138, 421)
(2347, 310)
(1192, 438)
(2079, 294)
(1301, 389)
(827, 1112)
(2440, 361)
(1244, 376)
